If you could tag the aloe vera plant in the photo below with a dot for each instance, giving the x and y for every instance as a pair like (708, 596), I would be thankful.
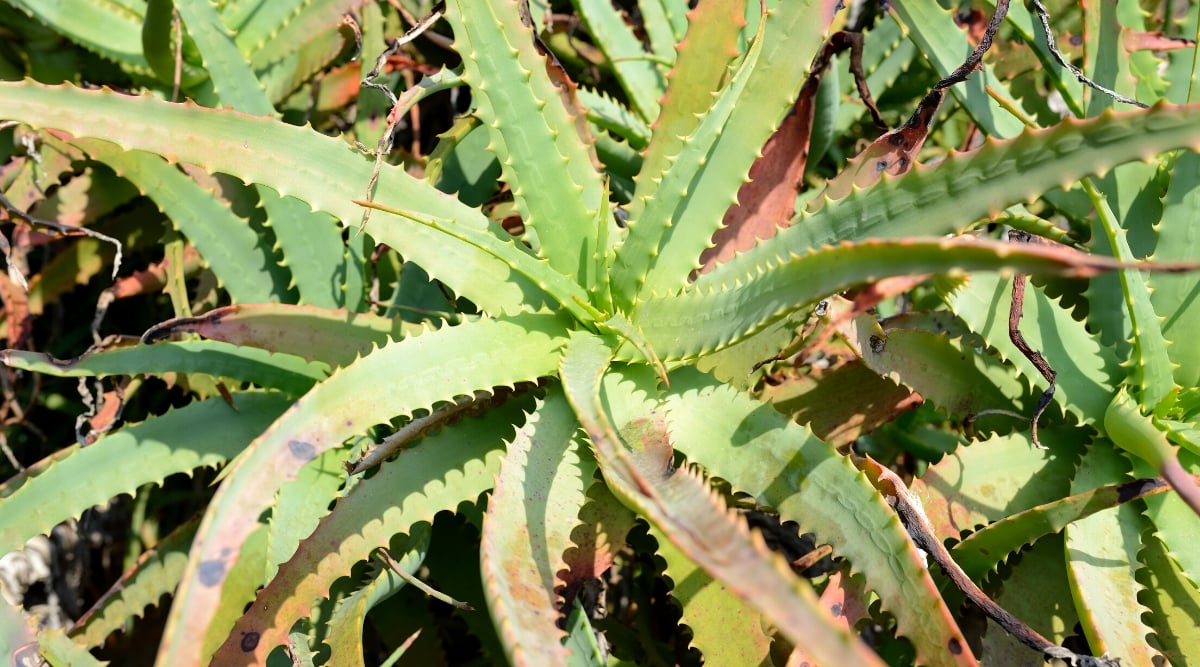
(593, 370)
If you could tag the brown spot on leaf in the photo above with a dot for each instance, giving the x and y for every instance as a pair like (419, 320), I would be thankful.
(955, 646)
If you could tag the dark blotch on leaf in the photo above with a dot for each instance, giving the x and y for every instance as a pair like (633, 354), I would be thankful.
(877, 344)
(955, 646)
(250, 641)
(211, 572)
(302, 450)
(836, 609)
(1137, 488)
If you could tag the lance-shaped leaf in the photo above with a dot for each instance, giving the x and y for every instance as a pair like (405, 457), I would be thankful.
(527, 529)
(709, 317)
(1086, 370)
(323, 171)
(450, 467)
(417, 372)
(943, 44)
(686, 510)
(545, 162)
(1151, 371)
(947, 197)
(781, 465)
(206, 433)
(983, 550)
(155, 574)
(240, 260)
(246, 364)
(636, 70)
(1101, 560)
(1173, 296)
(667, 236)
(110, 29)
(335, 337)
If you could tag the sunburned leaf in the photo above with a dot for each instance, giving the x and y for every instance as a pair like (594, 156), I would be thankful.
(335, 337)
(448, 468)
(680, 504)
(244, 364)
(436, 366)
(527, 528)
(781, 465)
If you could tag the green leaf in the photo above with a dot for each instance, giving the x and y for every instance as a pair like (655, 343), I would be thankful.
(323, 171)
(206, 433)
(233, 79)
(106, 28)
(783, 466)
(335, 337)
(244, 364)
(536, 136)
(238, 257)
(1101, 559)
(639, 74)
(418, 371)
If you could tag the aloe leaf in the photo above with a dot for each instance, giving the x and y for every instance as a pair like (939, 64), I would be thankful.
(246, 364)
(714, 315)
(1101, 559)
(782, 465)
(302, 503)
(1174, 602)
(450, 467)
(60, 651)
(111, 30)
(206, 433)
(983, 550)
(1173, 295)
(1086, 370)
(311, 242)
(540, 487)
(345, 638)
(611, 115)
(1175, 524)
(155, 574)
(335, 337)
(961, 492)
(941, 370)
(312, 249)
(461, 163)
(887, 55)
(230, 246)
(534, 133)
(537, 270)
(637, 70)
(666, 237)
(233, 79)
(944, 45)
(253, 22)
(710, 45)
(419, 371)
(947, 197)
(158, 45)
(322, 171)
(681, 505)
(268, 39)
(726, 630)
(1038, 593)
